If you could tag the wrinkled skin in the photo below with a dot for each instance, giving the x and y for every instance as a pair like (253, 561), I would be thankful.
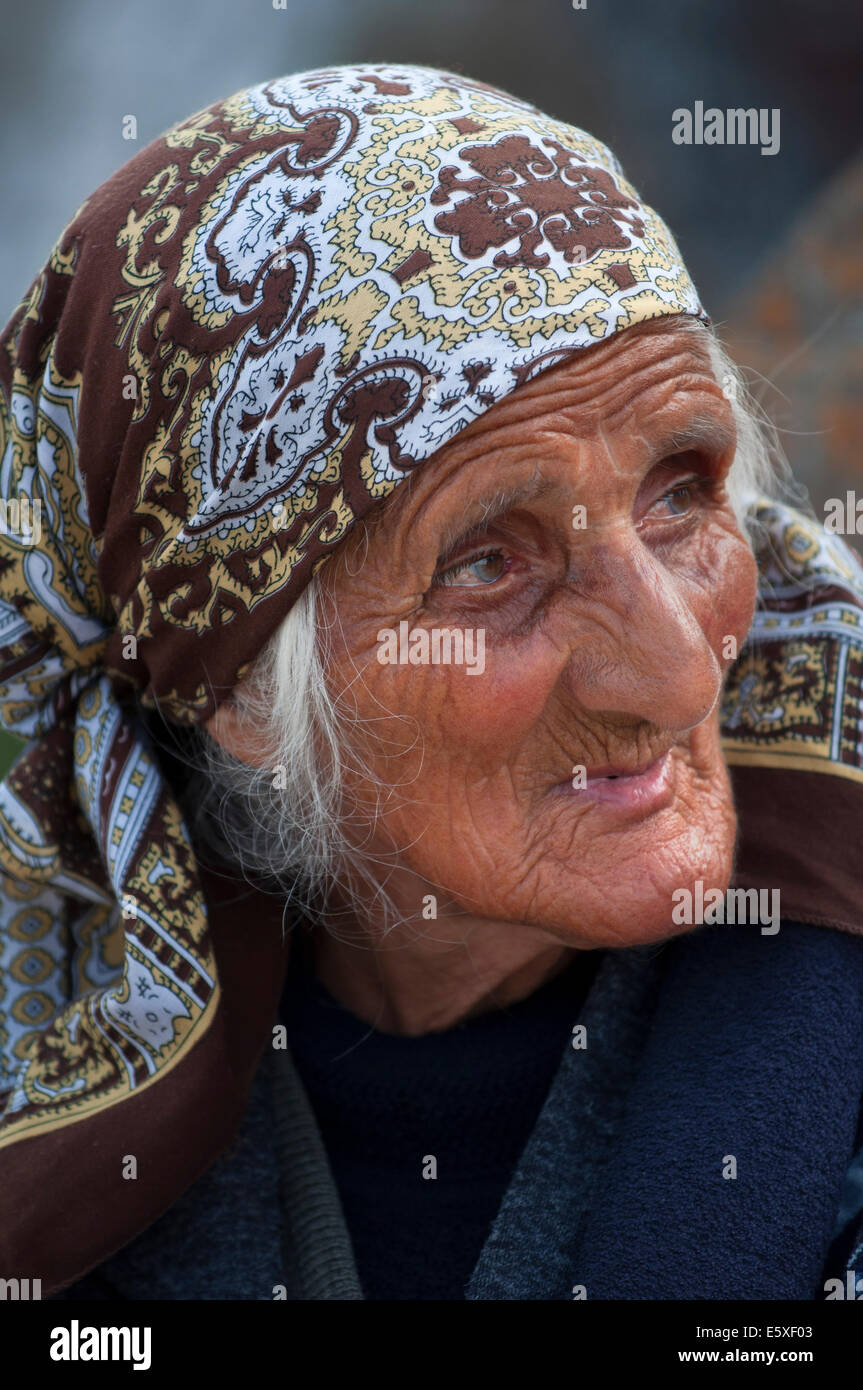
(605, 648)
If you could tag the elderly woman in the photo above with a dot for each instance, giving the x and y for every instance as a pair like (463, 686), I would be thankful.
(379, 917)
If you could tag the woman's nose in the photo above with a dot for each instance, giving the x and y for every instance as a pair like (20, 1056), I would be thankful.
(641, 651)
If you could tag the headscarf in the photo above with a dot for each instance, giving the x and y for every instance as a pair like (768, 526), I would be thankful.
(243, 341)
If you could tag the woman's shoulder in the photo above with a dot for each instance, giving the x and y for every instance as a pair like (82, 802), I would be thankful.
(220, 1239)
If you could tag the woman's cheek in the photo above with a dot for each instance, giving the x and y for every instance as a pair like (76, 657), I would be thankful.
(727, 592)
(498, 705)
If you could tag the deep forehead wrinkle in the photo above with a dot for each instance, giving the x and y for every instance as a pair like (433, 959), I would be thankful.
(610, 377)
(667, 381)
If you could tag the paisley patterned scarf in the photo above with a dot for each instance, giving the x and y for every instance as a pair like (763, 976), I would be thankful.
(242, 342)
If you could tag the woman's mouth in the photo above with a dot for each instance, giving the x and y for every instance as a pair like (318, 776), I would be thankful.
(638, 790)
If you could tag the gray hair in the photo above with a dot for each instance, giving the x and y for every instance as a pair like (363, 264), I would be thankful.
(281, 826)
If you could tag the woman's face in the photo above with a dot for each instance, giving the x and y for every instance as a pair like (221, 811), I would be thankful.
(584, 526)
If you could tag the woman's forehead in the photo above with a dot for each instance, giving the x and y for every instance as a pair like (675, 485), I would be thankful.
(650, 396)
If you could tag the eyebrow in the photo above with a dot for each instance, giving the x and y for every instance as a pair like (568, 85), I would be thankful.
(702, 431)
(486, 508)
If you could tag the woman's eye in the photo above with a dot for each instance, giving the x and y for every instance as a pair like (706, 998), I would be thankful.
(482, 569)
(679, 499)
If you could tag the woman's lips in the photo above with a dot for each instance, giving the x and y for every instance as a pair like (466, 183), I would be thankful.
(643, 792)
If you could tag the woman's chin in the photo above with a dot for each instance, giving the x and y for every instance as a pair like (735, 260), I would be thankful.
(638, 930)
(638, 912)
